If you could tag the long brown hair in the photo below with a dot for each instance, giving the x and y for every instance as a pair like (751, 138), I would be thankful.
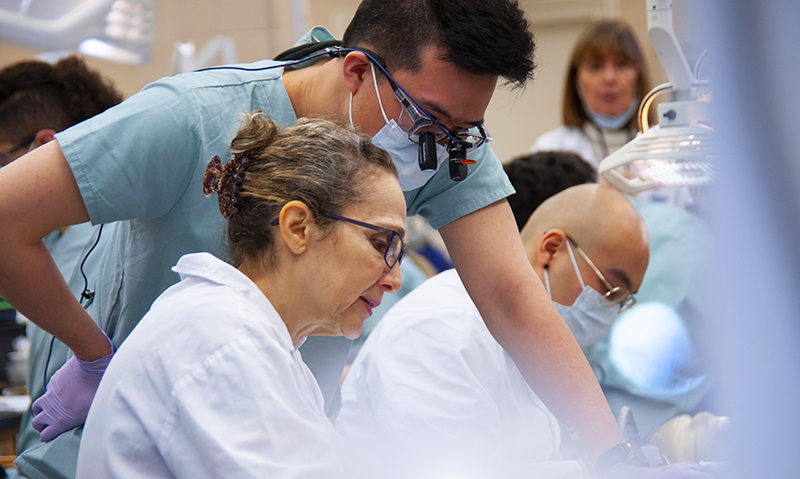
(600, 38)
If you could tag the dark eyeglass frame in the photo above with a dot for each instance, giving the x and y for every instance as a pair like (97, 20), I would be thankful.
(390, 262)
(22, 144)
(409, 104)
(614, 294)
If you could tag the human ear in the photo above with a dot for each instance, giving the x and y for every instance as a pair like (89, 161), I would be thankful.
(295, 221)
(549, 244)
(355, 66)
(43, 136)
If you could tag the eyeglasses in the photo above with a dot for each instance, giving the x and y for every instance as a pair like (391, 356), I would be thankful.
(393, 249)
(614, 294)
(22, 144)
(422, 121)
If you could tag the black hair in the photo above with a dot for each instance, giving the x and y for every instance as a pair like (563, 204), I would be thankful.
(35, 95)
(538, 176)
(489, 37)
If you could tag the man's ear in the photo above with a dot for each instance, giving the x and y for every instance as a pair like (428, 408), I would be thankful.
(355, 66)
(295, 222)
(43, 136)
(549, 245)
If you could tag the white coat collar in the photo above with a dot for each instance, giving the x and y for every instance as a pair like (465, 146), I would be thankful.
(210, 268)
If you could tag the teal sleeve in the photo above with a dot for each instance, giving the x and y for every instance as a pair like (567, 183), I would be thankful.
(442, 200)
(136, 159)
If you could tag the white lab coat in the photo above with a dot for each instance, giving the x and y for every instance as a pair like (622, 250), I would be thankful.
(209, 385)
(585, 141)
(434, 392)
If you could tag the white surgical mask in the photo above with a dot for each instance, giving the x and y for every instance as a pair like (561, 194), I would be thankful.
(404, 152)
(590, 317)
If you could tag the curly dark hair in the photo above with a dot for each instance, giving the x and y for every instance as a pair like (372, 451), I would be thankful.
(481, 37)
(35, 95)
(538, 176)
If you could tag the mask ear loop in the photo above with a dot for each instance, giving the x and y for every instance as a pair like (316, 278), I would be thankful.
(575, 265)
(350, 112)
(547, 282)
(375, 82)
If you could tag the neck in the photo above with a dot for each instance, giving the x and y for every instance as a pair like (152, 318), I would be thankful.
(317, 91)
(286, 292)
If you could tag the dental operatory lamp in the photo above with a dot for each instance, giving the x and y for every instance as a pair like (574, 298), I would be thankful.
(115, 30)
(677, 151)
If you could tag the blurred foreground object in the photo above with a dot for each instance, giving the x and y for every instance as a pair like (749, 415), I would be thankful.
(699, 438)
(116, 30)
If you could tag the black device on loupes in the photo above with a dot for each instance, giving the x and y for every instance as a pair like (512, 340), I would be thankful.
(427, 151)
(458, 165)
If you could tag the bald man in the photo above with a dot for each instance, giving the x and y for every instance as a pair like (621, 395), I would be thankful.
(434, 391)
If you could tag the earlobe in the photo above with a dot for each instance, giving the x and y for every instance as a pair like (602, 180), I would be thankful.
(295, 221)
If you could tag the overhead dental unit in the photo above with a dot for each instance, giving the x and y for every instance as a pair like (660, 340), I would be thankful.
(677, 151)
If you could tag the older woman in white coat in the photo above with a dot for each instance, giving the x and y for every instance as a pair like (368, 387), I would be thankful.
(210, 383)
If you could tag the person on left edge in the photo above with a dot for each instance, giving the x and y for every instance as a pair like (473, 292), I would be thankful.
(141, 163)
(37, 100)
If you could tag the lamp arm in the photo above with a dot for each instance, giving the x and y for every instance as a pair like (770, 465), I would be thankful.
(669, 51)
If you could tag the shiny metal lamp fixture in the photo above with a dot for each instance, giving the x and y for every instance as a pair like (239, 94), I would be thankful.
(115, 30)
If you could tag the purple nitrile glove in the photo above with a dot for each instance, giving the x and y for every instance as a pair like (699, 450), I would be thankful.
(69, 394)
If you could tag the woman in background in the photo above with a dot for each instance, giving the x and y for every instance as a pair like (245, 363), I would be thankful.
(606, 81)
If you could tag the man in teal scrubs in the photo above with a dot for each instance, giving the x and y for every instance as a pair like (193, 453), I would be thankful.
(142, 164)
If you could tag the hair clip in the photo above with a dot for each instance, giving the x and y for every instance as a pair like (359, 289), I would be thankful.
(223, 179)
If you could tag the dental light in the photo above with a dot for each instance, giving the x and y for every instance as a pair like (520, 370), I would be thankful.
(115, 30)
(677, 151)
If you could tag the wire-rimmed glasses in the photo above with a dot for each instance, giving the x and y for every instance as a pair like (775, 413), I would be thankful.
(614, 294)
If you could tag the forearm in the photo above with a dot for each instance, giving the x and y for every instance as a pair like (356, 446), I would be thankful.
(31, 282)
(37, 195)
(487, 252)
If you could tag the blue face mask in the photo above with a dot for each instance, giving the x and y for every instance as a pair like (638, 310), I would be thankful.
(612, 122)
(590, 317)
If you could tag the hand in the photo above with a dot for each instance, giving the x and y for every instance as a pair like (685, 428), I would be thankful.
(678, 470)
(69, 394)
